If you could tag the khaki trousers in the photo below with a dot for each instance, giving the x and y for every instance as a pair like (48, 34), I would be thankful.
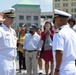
(31, 62)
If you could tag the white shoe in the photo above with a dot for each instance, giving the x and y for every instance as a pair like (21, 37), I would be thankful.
(40, 71)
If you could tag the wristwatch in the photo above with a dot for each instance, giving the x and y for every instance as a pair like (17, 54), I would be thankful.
(57, 70)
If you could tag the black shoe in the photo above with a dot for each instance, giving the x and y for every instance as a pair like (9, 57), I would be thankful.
(40, 73)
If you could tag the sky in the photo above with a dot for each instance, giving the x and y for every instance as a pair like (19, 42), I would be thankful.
(45, 5)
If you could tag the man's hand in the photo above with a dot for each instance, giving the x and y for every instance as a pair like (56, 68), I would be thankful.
(38, 55)
(1, 17)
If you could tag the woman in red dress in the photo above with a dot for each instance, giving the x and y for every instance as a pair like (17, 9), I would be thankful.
(47, 54)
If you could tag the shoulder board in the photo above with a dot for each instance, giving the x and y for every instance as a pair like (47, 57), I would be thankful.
(58, 30)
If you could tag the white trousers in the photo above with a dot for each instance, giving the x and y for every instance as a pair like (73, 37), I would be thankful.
(7, 66)
(61, 73)
(31, 62)
(68, 68)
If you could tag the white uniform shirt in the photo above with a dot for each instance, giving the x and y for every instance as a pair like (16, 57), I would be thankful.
(65, 41)
(32, 42)
(8, 41)
(74, 28)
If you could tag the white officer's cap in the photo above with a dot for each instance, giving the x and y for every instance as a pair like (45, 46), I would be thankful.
(9, 12)
(58, 13)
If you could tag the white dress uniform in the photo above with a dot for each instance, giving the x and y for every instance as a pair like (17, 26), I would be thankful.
(74, 28)
(8, 42)
(65, 40)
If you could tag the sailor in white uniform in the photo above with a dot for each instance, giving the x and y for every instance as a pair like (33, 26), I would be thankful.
(8, 42)
(64, 45)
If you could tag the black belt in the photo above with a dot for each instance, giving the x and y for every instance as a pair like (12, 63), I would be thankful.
(31, 50)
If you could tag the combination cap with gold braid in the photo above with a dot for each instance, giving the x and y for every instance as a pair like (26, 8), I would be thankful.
(9, 12)
(59, 13)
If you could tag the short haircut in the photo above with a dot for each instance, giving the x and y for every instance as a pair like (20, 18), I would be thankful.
(71, 20)
(39, 28)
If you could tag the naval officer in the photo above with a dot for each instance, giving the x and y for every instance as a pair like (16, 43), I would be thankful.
(64, 45)
(7, 44)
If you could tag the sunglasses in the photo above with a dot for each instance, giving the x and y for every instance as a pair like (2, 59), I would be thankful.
(11, 18)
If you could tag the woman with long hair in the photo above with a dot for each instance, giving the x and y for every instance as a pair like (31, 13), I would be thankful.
(47, 54)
